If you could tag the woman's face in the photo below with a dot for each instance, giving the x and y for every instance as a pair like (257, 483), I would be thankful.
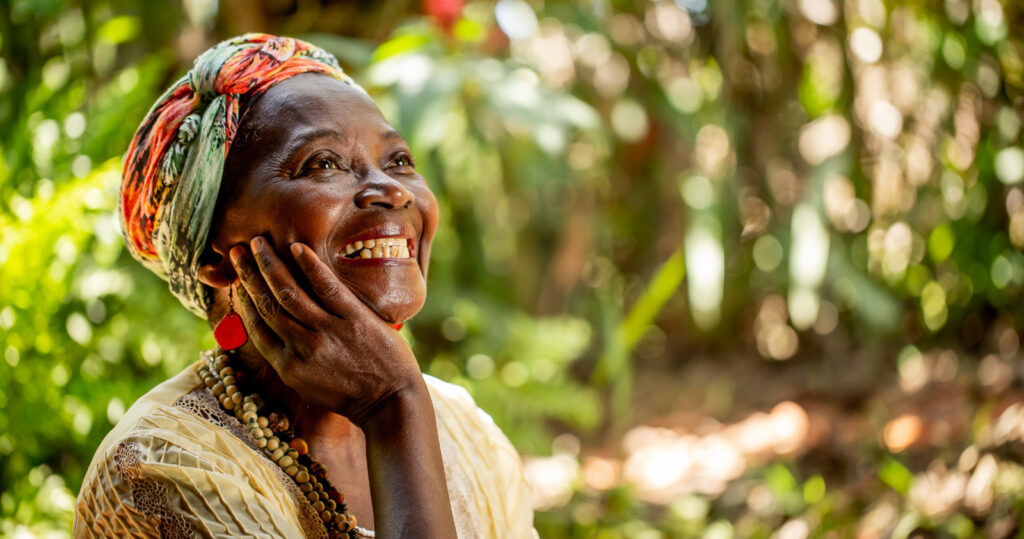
(318, 164)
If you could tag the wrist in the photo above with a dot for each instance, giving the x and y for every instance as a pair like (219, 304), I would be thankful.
(408, 404)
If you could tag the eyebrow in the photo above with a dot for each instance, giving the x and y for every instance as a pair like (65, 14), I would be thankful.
(391, 134)
(309, 135)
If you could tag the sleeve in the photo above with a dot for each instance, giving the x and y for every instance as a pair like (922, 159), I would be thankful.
(488, 490)
(149, 487)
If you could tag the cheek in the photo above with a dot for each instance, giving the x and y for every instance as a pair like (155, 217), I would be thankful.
(427, 204)
(309, 214)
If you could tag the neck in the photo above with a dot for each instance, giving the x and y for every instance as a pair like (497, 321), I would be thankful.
(307, 421)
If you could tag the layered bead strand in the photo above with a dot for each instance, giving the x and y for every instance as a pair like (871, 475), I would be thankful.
(275, 441)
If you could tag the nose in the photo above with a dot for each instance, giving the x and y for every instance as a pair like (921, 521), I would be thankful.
(383, 191)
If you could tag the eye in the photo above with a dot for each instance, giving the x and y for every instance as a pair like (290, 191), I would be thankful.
(402, 161)
(323, 163)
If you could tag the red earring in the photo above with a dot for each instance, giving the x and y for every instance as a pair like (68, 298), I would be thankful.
(230, 332)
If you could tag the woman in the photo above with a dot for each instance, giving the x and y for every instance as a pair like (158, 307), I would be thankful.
(272, 195)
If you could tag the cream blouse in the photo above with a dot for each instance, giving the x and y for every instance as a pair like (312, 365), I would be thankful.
(177, 465)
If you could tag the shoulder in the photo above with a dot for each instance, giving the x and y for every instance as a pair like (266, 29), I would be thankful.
(164, 469)
(489, 493)
(162, 396)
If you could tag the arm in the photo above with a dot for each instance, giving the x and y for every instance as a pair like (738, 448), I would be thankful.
(338, 355)
(406, 473)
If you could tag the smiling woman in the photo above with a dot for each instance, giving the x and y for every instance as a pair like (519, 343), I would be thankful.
(266, 182)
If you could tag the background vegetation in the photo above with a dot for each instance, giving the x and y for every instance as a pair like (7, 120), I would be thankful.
(731, 268)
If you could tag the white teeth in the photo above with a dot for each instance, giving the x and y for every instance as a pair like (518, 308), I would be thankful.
(378, 248)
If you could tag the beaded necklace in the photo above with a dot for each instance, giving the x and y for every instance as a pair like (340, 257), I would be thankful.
(278, 443)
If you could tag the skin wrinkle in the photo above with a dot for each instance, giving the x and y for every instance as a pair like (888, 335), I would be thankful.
(318, 342)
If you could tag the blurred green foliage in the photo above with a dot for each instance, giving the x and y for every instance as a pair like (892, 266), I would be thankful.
(660, 221)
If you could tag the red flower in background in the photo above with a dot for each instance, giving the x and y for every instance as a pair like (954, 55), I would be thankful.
(445, 12)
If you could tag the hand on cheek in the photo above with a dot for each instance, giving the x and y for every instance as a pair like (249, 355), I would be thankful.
(333, 350)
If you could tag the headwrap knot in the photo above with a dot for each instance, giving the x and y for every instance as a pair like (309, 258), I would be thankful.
(173, 168)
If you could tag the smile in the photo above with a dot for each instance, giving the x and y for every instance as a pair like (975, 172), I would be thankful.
(392, 247)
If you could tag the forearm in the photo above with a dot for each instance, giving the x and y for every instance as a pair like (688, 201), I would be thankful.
(409, 490)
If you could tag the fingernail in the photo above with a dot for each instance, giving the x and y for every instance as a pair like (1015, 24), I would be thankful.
(235, 254)
(257, 242)
(296, 249)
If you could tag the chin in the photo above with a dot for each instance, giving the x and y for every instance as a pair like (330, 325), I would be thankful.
(398, 304)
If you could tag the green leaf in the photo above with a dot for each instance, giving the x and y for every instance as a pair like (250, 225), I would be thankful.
(894, 474)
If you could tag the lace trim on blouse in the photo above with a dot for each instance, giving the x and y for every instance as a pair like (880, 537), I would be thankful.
(148, 495)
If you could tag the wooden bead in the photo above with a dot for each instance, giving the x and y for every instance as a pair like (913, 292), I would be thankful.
(325, 516)
(249, 416)
(286, 461)
(229, 404)
(293, 453)
(273, 443)
(249, 406)
(319, 506)
(210, 381)
(311, 496)
(339, 521)
(261, 443)
(276, 454)
(302, 477)
(226, 371)
(331, 505)
(218, 388)
(267, 433)
(230, 381)
(305, 488)
(300, 445)
(237, 398)
(278, 422)
(263, 422)
(291, 470)
(318, 470)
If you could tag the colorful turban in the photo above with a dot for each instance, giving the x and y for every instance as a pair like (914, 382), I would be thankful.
(172, 171)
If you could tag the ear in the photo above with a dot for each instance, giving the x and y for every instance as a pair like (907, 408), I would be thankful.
(217, 271)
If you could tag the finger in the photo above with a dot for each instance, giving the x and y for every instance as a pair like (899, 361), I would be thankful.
(282, 284)
(262, 298)
(332, 293)
(266, 341)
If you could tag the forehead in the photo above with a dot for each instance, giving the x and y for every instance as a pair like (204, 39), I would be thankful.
(313, 101)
